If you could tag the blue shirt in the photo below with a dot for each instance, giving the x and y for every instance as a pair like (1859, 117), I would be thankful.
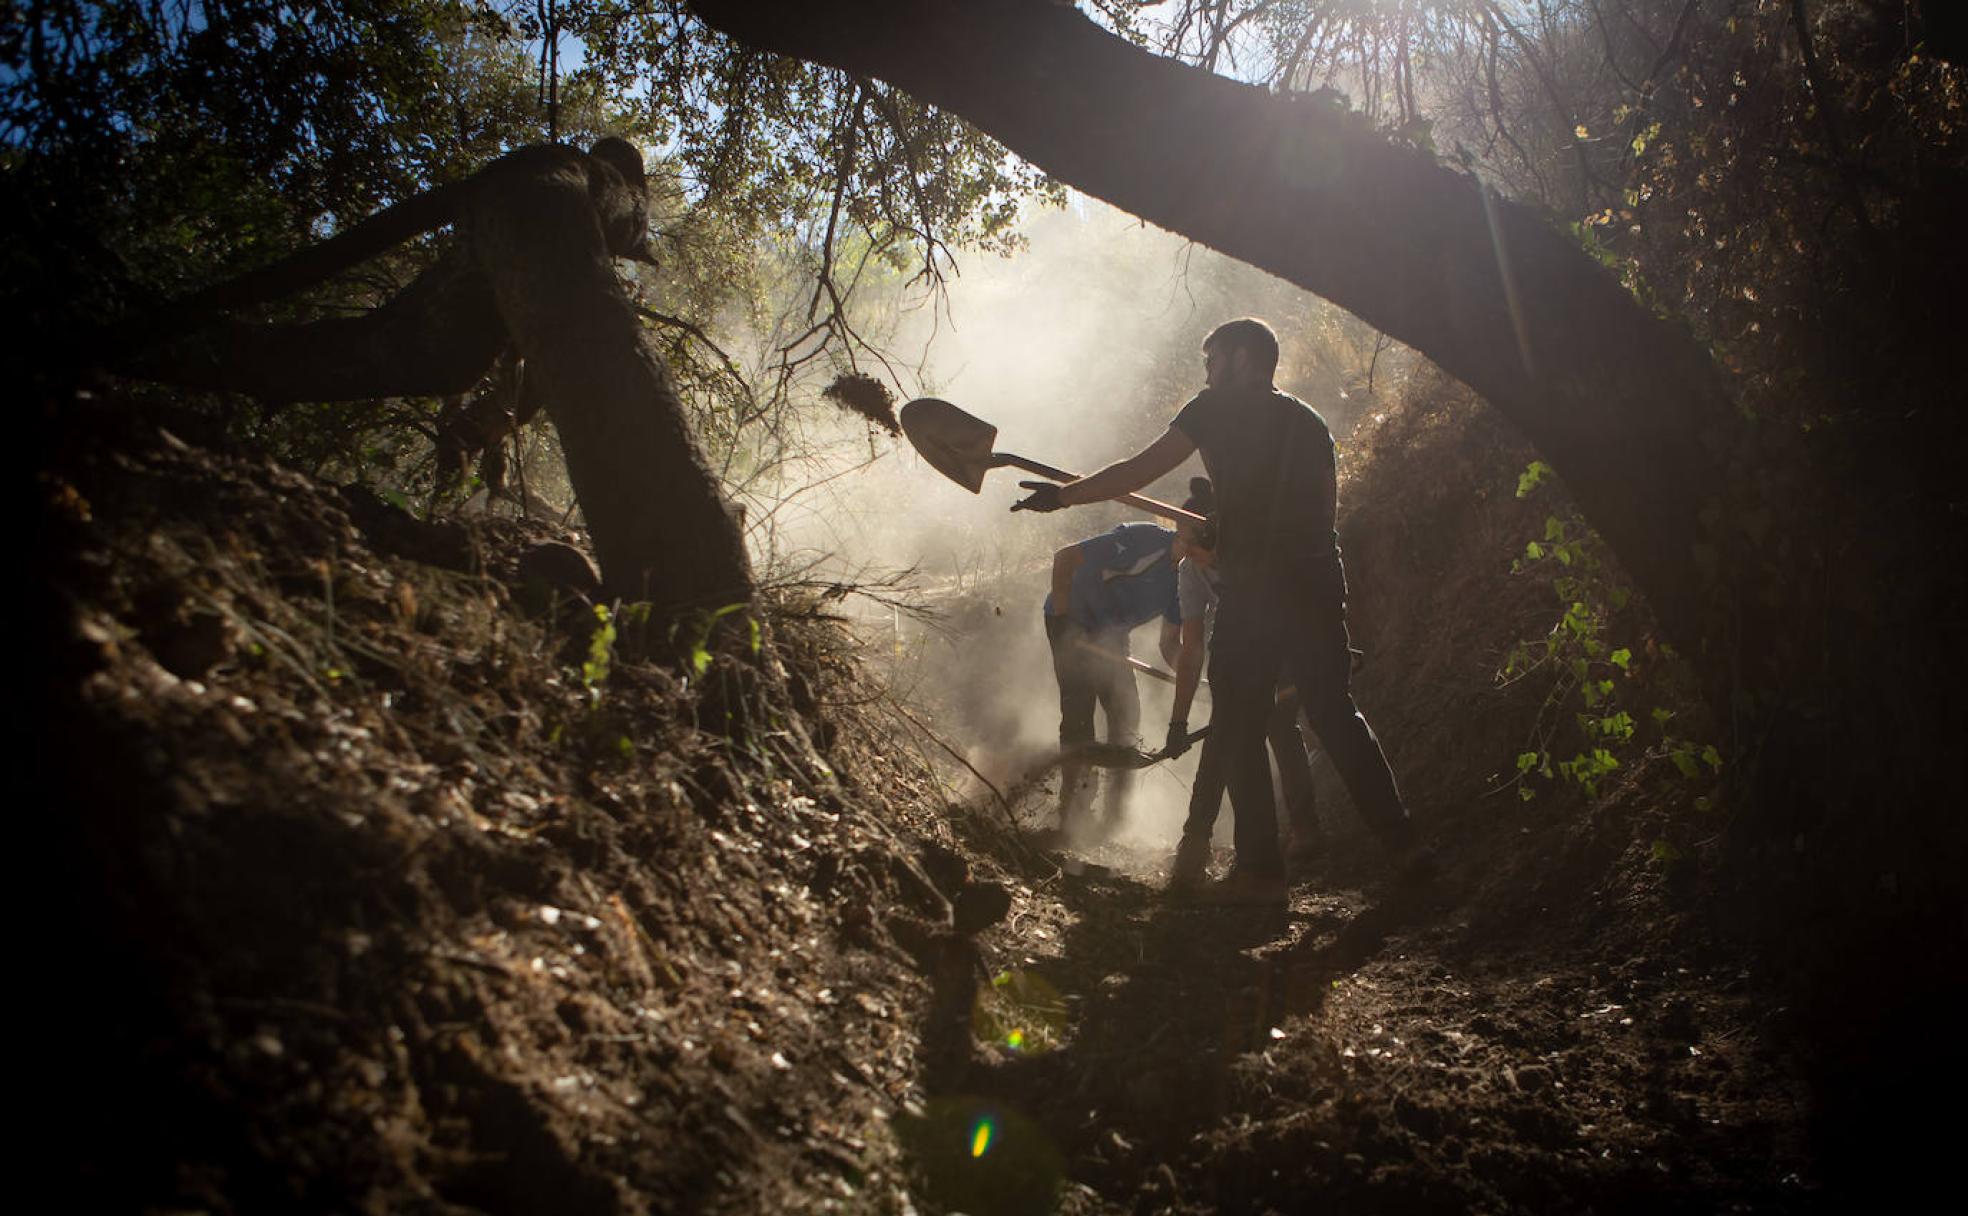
(1125, 579)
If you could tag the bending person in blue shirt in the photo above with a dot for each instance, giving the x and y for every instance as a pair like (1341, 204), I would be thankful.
(1102, 590)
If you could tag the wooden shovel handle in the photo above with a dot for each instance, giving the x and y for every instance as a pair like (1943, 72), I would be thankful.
(1149, 505)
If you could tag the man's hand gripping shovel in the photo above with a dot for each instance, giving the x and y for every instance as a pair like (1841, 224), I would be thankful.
(959, 446)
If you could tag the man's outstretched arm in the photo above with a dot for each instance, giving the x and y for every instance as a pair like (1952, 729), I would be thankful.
(1127, 476)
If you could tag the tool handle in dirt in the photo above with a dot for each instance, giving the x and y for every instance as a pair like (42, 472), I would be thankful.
(1150, 505)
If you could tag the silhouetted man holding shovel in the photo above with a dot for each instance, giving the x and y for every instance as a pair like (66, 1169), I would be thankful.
(1283, 611)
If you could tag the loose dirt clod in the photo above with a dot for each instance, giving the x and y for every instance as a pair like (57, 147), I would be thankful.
(862, 394)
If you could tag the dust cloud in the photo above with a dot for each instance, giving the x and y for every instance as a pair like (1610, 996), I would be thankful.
(1080, 350)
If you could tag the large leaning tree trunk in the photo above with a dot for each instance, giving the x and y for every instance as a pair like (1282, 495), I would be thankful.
(1624, 404)
(529, 270)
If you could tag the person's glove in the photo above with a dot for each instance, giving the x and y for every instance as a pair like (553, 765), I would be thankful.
(1044, 497)
(1178, 739)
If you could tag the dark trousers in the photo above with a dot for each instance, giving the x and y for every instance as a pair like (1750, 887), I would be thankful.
(1294, 774)
(1292, 629)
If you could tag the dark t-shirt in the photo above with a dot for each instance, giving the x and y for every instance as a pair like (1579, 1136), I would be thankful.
(1271, 458)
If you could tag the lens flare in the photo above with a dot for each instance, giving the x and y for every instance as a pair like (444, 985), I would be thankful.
(1019, 1013)
(980, 1136)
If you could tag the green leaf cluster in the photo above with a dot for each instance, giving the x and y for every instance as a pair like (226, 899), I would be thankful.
(601, 652)
(1591, 675)
(700, 654)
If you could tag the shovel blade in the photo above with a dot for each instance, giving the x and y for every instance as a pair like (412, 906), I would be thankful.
(954, 443)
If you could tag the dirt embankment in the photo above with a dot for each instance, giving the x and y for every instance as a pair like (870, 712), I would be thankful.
(384, 888)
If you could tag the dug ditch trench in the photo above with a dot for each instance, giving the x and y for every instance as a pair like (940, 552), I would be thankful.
(374, 886)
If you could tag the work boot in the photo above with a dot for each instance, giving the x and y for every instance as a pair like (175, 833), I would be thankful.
(1243, 889)
(1190, 869)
